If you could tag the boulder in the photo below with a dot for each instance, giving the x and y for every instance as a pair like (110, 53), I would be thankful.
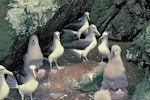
(92, 80)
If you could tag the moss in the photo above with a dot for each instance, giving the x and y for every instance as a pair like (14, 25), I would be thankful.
(6, 36)
(143, 89)
(97, 8)
(117, 2)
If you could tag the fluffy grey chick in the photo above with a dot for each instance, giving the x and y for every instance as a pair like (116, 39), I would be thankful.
(4, 88)
(58, 51)
(102, 95)
(114, 77)
(103, 48)
(34, 54)
(26, 84)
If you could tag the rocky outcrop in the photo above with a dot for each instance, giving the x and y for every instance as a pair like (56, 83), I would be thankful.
(142, 91)
(124, 18)
(140, 49)
(66, 14)
(140, 55)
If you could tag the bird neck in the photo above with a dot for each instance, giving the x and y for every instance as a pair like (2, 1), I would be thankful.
(84, 19)
(2, 79)
(30, 77)
(118, 59)
(32, 48)
(91, 35)
(105, 41)
(92, 45)
(57, 42)
(83, 28)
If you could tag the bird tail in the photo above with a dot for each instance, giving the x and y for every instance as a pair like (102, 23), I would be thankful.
(12, 82)
(76, 52)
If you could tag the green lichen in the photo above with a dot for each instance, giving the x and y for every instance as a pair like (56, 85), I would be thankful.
(6, 36)
(29, 14)
(91, 80)
(142, 91)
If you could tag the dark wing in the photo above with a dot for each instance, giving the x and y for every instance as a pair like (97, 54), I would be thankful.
(77, 44)
(74, 26)
(70, 32)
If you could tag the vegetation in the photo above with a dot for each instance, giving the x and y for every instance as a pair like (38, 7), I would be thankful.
(29, 14)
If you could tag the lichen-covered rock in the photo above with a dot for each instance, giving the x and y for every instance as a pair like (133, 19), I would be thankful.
(140, 49)
(124, 18)
(91, 80)
(6, 37)
(70, 81)
(142, 91)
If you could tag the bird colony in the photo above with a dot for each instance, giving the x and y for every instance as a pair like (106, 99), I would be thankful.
(83, 40)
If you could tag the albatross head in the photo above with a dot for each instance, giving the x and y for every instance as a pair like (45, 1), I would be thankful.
(87, 15)
(105, 34)
(57, 35)
(115, 51)
(93, 28)
(4, 70)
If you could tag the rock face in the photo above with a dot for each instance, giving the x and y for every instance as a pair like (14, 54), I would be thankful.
(140, 54)
(140, 49)
(6, 37)
(124, 18)
(143, 89)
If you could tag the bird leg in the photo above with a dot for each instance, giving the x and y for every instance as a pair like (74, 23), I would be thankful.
(51, 69)
(102, 59)
(59, 67)
(22, 97)
(31, 96)
(119, 91)
(85, 59)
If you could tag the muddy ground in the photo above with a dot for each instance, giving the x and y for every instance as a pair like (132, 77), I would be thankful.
(52, 87)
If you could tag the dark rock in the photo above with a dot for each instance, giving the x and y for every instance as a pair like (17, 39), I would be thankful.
(142, 91)
(66, 14)
(125, 18)
(140, 49)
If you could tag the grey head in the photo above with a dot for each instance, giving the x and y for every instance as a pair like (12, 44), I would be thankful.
(86, 14)
(32, 68)
(93, 29)
(104, 35)
(33, 40)
(3, 70)
(56, 35)
(115, 51)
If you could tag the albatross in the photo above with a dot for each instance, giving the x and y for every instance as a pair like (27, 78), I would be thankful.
(103, 48)
(89, 43)
(82, 26)
(34, 54)
(26, 84)
(58, 51)
(4, 88)
(114, 77)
